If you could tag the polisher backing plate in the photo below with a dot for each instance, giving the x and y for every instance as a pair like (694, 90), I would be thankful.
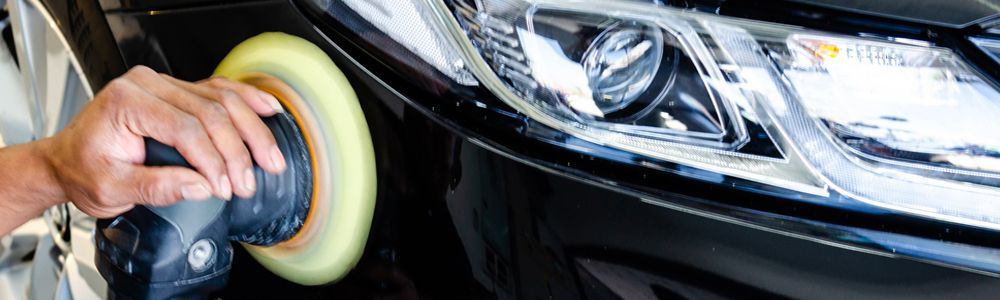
(316, 92)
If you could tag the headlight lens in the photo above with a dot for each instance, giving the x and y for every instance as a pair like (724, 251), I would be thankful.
(896, 104)
(900, 126)
(407, 23)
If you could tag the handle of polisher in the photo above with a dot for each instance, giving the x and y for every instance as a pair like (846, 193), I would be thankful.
(159, 154)
(177, 251)
(147, 252)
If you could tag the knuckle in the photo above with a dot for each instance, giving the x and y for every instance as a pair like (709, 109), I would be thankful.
(214, 166)
(217, 81)
(190, 122)
(174, 95)
(245, 88)
(148, 192)
(215, 119)
(115, 90)
(189, 125)
(105, 195)
(237, 159)
(226, 97)
(109, 100)
(115, 84)
(133, 71)
(139, 70)
(215, 110)
(242, 160)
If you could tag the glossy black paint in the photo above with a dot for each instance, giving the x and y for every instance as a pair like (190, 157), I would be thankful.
(471, 204)
(953, 13)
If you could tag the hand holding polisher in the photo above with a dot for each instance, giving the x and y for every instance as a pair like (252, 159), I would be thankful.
(184, 250)
(308, 224)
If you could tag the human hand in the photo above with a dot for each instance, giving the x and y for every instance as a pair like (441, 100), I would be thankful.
(97, 159)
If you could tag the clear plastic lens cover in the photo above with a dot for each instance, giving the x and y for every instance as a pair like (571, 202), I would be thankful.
(410, 24)
(896, 125)
(905, 105)
(630, 76)
(889, 124)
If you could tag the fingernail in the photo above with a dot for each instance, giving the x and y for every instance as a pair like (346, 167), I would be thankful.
(249, 183)
(195, 191)
(272, 101)
(277, 160)
(225, 187)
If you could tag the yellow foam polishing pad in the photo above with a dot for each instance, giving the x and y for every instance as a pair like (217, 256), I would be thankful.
(315, 91)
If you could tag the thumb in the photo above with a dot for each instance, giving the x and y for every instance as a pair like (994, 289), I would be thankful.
(161, 186)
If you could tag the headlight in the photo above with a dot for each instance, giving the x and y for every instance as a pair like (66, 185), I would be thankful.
(900, 126)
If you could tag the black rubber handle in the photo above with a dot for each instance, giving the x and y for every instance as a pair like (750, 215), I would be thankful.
(159, 154)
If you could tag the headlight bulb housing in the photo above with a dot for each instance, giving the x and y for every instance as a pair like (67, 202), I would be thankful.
(621, 63)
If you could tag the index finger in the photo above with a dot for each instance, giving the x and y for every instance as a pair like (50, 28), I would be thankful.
(149, 116)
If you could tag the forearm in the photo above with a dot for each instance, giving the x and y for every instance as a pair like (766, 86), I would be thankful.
(27, 184)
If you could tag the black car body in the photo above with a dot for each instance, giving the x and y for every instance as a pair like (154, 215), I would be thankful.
(475, 202)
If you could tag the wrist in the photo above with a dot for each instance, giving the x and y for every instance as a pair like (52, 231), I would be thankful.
(29, 184)
(48, 188)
